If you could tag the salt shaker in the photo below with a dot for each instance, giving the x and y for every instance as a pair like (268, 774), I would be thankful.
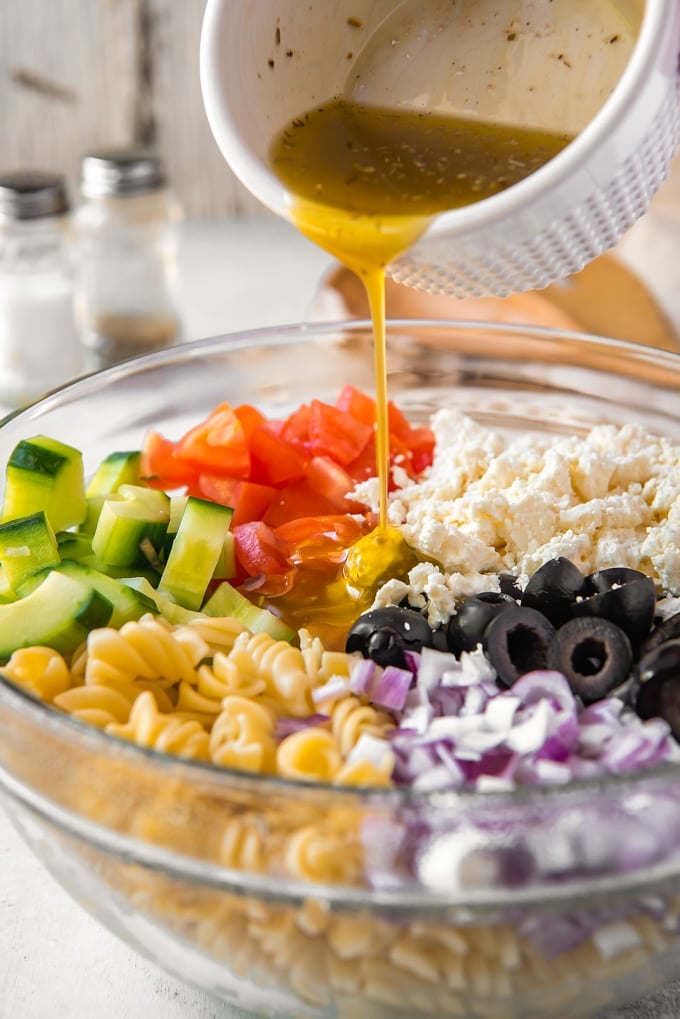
(126, 244)
(39, 348)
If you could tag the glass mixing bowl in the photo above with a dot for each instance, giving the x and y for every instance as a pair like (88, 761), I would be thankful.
(566, 901)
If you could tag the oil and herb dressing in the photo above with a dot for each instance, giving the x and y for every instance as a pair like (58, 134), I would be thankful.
(364, 183)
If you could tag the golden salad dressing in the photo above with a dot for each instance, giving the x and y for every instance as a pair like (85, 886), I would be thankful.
(364, 183)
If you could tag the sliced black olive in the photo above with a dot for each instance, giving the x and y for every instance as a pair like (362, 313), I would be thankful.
(439, 639)
(384, 634)
(594, 654)
(667, 629)
(624, 596)
(553, 589)
(466, 628)
(517, 641)
(658, 692)
(509, 585)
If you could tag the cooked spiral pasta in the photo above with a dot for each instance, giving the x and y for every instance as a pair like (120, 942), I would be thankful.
(219, 633)
(148, 727)
(40, 670)
(211, 690)
(311, 755)
(280, 666)
(350, 719)
(242, 845)
(242, 736)
(146, 649)
(98, 705)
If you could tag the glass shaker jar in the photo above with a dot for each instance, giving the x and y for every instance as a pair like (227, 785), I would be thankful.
(126, 243)
(39, 347)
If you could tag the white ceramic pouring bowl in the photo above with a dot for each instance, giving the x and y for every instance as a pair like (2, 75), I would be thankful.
(261, 67)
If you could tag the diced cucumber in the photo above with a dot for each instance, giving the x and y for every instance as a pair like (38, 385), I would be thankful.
(126, 602)
(178, 503)
(115, 470)
(44, 474)
(131, 526)
(74, 545)
(119, 572)
(177, 506)
(27, 545)
(227, 601)
(59, 613)
(195, 552)
(226, 564)
(170, 610)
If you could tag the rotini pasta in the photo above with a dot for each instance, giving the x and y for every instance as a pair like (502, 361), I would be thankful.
(40, 670)
(148, 727)
(211, 690)
(242, 736)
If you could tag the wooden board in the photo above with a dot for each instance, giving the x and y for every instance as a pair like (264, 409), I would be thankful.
(605, 298)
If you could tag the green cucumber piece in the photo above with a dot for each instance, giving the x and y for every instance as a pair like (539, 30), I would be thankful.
(177, 506)
(131, 520)
(195, 552)
(166, 607)
(227, 601)
(27, 545)
(44, 474)
(116, 469)
(226, 564)
(59, 613)
(126, 603)
(119, 572)
(74, 545)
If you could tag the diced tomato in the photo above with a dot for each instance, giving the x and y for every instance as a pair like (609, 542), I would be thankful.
(217, 444)
(250, 418)
(296, 428)
(421, 444)
(398, 424)
(364, 467)
(329, 479)
(258, 551)
(160, 466)
(253, 502)
(358, 404)
(248, 499)
(218, 488)
(297, 500)
(340, 527)
(275, 461)
(335, 433)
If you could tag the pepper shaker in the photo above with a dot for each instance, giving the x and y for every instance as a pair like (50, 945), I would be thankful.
(39, 348)
(126, 241)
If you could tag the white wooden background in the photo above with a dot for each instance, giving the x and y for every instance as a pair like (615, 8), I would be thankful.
(81, 74)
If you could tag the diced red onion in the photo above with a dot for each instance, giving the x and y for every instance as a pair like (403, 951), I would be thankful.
(391, 687)
(337, 686)
(361, 676)
(286, 726)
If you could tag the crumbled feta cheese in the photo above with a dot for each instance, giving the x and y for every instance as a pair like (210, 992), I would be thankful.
(492, 503)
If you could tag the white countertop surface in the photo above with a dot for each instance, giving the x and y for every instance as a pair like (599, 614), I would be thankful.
(54, 959)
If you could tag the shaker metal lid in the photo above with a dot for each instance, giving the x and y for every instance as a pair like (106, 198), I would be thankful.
(120, 173)
(32, 194)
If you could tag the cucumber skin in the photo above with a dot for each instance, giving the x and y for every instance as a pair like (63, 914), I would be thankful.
(227, 601)
(34, 534)
(195, 552)
(59, 613)
(144, 514)
(44, 474)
